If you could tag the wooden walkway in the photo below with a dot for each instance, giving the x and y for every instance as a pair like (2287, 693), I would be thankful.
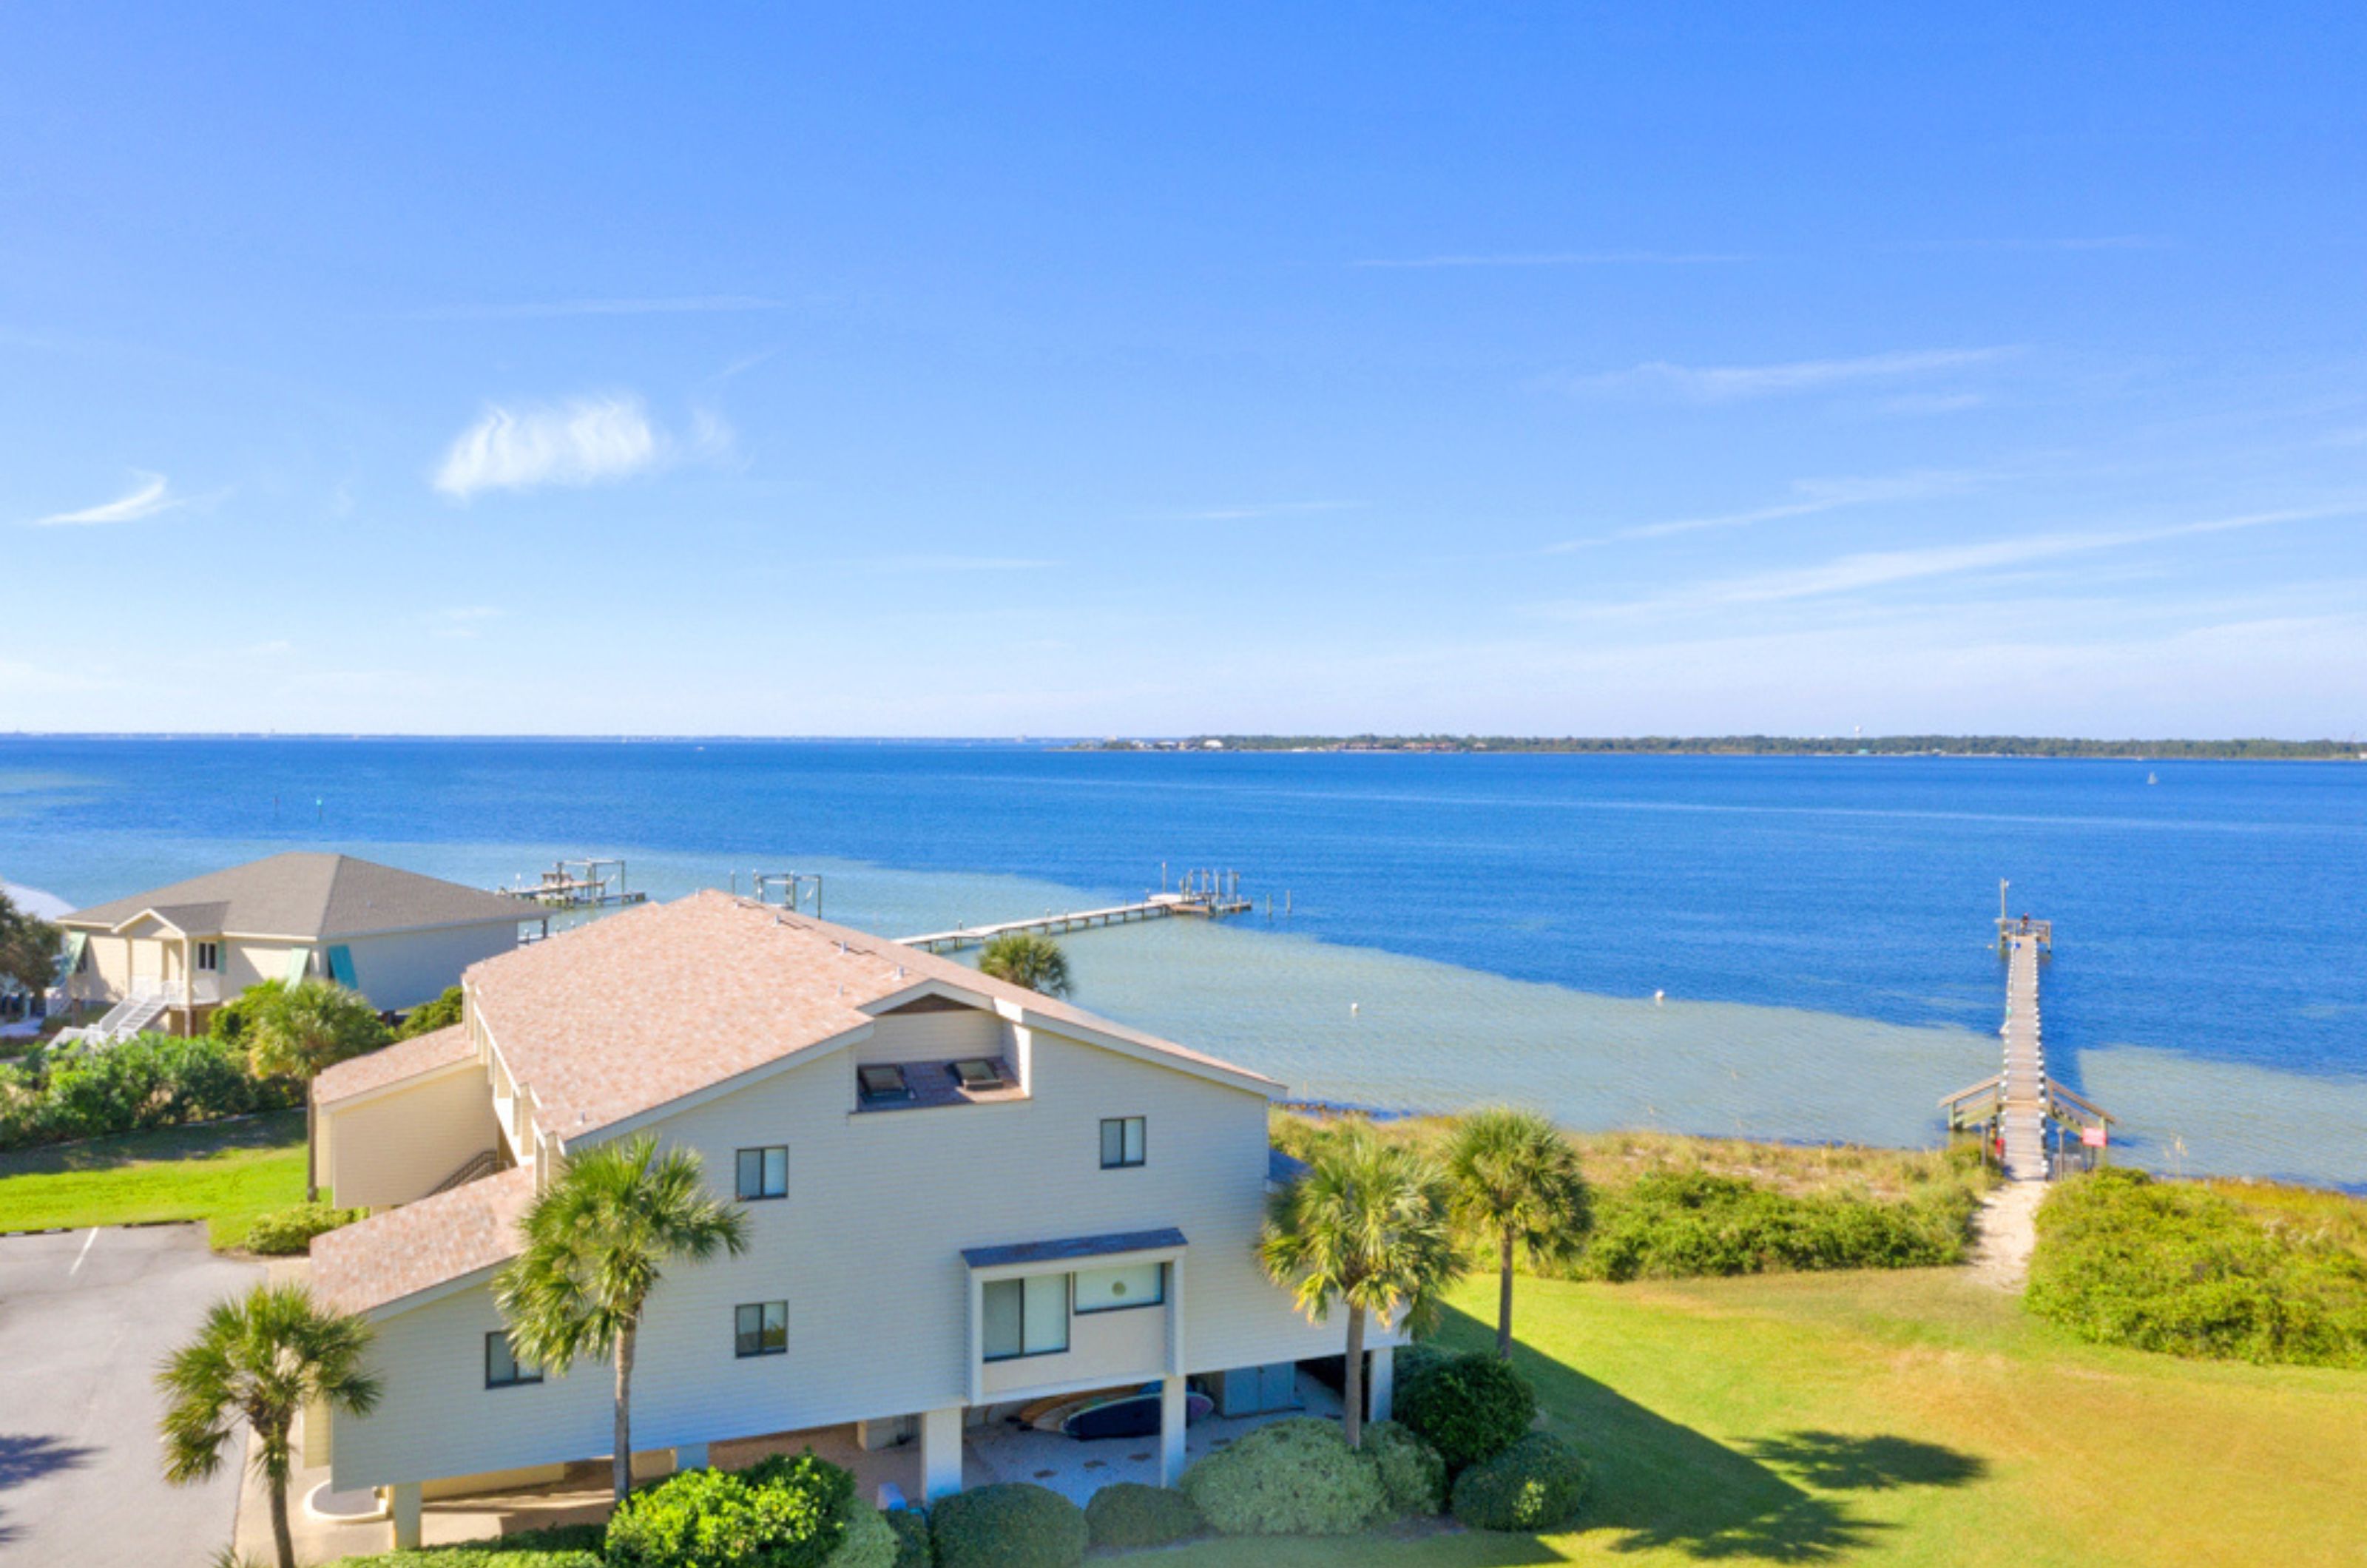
(2022, 1096)
(1158, 906)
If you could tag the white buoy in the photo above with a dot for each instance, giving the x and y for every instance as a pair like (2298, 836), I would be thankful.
(1659, 997)
(1351, 1009)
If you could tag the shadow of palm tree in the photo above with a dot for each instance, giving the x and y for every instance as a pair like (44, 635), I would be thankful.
(1833, 1462)
(24, 1457)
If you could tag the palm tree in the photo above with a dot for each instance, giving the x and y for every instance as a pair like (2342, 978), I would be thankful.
(260, 1360)
(1366, 1224)
(298, 1029)
(597, 1242)
(1514, 1180)
(1027, 959)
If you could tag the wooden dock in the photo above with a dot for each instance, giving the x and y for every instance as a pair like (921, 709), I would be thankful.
(2018, 1107)
(577, 885)
(1156, 907)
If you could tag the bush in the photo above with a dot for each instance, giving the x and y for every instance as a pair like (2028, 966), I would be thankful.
(429, 1016)
(869, 1543)
(2174, 1267)
(561, 1546)
(1535, 1484)
(1126, 1513)
(778, 1513)
(1412, 1474)
(136, 1085)
(1469, 1407)
(912, 1547)
(287, 1232)
(1685, 1224)
(1011, 1526)
(1293, 1477)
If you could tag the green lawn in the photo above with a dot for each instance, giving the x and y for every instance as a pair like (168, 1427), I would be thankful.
(1908, 1418)
(225, 1175)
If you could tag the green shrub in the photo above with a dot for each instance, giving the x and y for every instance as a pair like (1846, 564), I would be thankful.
(1535, 1484)
(136, 1085)
(869, 1541)
(429, 1016)
(1293, 1477)
(1412, 1474)
(1686, 1224)
(287, 1232)
(561, 1546)
(1126, 1513)
(1469, 1407)
(1011, 1526)
(2125, 1259)
(912, 1546)
(778, 1513)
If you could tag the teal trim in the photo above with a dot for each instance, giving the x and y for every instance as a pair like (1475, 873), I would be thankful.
(70, 959)
(341, 967)
(300, 964)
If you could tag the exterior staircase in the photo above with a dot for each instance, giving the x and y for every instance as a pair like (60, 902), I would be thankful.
(144, 1005)
(479, 1167)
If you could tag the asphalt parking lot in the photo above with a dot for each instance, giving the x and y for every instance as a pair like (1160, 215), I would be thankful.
(84, 1317)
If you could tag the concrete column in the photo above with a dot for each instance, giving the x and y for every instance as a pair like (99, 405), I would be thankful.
(1173, 1413)
(403, 1513)
(941, 1452)
(690, 1456)
(1381, 1381)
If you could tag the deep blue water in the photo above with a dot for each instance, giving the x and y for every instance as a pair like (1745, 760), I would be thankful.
(2220, 913)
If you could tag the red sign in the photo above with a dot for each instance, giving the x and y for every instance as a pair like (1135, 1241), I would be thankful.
(2093, 1137)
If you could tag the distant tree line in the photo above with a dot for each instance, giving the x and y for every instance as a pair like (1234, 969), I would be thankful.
(2257, 749)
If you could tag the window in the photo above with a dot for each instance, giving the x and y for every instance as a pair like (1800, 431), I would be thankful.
(1121, 1142)
(1116, 1290)
(761, 1328)
(882, 1083)
(502, 1369)
(1025, 1317)
(764, 1173)
(976, 1072)
(207, 956)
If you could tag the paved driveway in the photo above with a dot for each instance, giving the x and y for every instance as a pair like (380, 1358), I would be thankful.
(84, 1317)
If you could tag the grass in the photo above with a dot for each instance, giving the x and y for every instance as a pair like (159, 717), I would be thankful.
(227, 1174)
(1896, 1417)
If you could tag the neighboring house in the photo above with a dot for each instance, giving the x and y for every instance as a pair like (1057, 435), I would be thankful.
(962, 1196)
(168, 957)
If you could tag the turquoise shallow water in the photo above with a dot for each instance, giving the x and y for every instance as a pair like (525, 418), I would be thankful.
(1462, 931)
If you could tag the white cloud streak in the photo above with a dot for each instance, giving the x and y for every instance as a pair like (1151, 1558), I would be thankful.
(1558, 258)
(585, 441)
(1810, 497)
(1730, 383)
(1267, 508)
(695, 304)
(152, 496)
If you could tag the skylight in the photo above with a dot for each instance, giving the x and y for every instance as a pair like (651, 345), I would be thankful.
(885, 1082)
(975, 1073)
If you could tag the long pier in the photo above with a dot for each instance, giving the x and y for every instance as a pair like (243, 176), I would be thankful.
(2018, 1105)
(1158, 906)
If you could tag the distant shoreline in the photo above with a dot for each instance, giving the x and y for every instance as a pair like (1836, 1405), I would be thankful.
(2029, 746)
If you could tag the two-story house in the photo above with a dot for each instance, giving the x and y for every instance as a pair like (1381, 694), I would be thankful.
(963, 1196)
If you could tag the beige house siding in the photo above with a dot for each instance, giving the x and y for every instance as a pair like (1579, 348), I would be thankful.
(396, 971)
(393, 1147)
(866, 1252)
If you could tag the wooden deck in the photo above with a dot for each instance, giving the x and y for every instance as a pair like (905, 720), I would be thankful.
(2022, 1096)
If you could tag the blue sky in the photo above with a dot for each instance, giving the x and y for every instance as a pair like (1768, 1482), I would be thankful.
(886, 370)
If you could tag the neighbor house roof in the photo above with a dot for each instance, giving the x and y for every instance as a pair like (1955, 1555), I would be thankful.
(306, 896)
(392, 1064)
(439, 1239)
(625, 1015)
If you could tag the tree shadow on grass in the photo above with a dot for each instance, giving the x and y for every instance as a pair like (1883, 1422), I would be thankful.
(272, 1130)
(1663, 1486)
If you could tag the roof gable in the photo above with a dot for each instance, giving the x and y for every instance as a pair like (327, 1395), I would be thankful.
(308, 895)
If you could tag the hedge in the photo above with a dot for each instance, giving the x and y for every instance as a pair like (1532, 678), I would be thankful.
(778, 1513)
(1292, 1477)
(2174, 1267)
(561, 1546)
(1688, 1224)
(1129, 1514)
(1535, 1484)
(1413, 1473)
(286, 1233)
(869, 1541)
(914, 1549)
(1014, 1524)
(1469, 1407)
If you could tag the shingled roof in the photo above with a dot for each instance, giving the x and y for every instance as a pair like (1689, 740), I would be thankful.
(306, 896)
(721, 985)
(420, 1246)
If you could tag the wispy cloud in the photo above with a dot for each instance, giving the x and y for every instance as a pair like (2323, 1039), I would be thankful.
(1881, 569)
(1560, 258)
(927, 563)
(691, 304)
(1263, 509)
(585, 441)
(2064, 242)
(1728, 383)
(1810, 497)
(150, 496)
